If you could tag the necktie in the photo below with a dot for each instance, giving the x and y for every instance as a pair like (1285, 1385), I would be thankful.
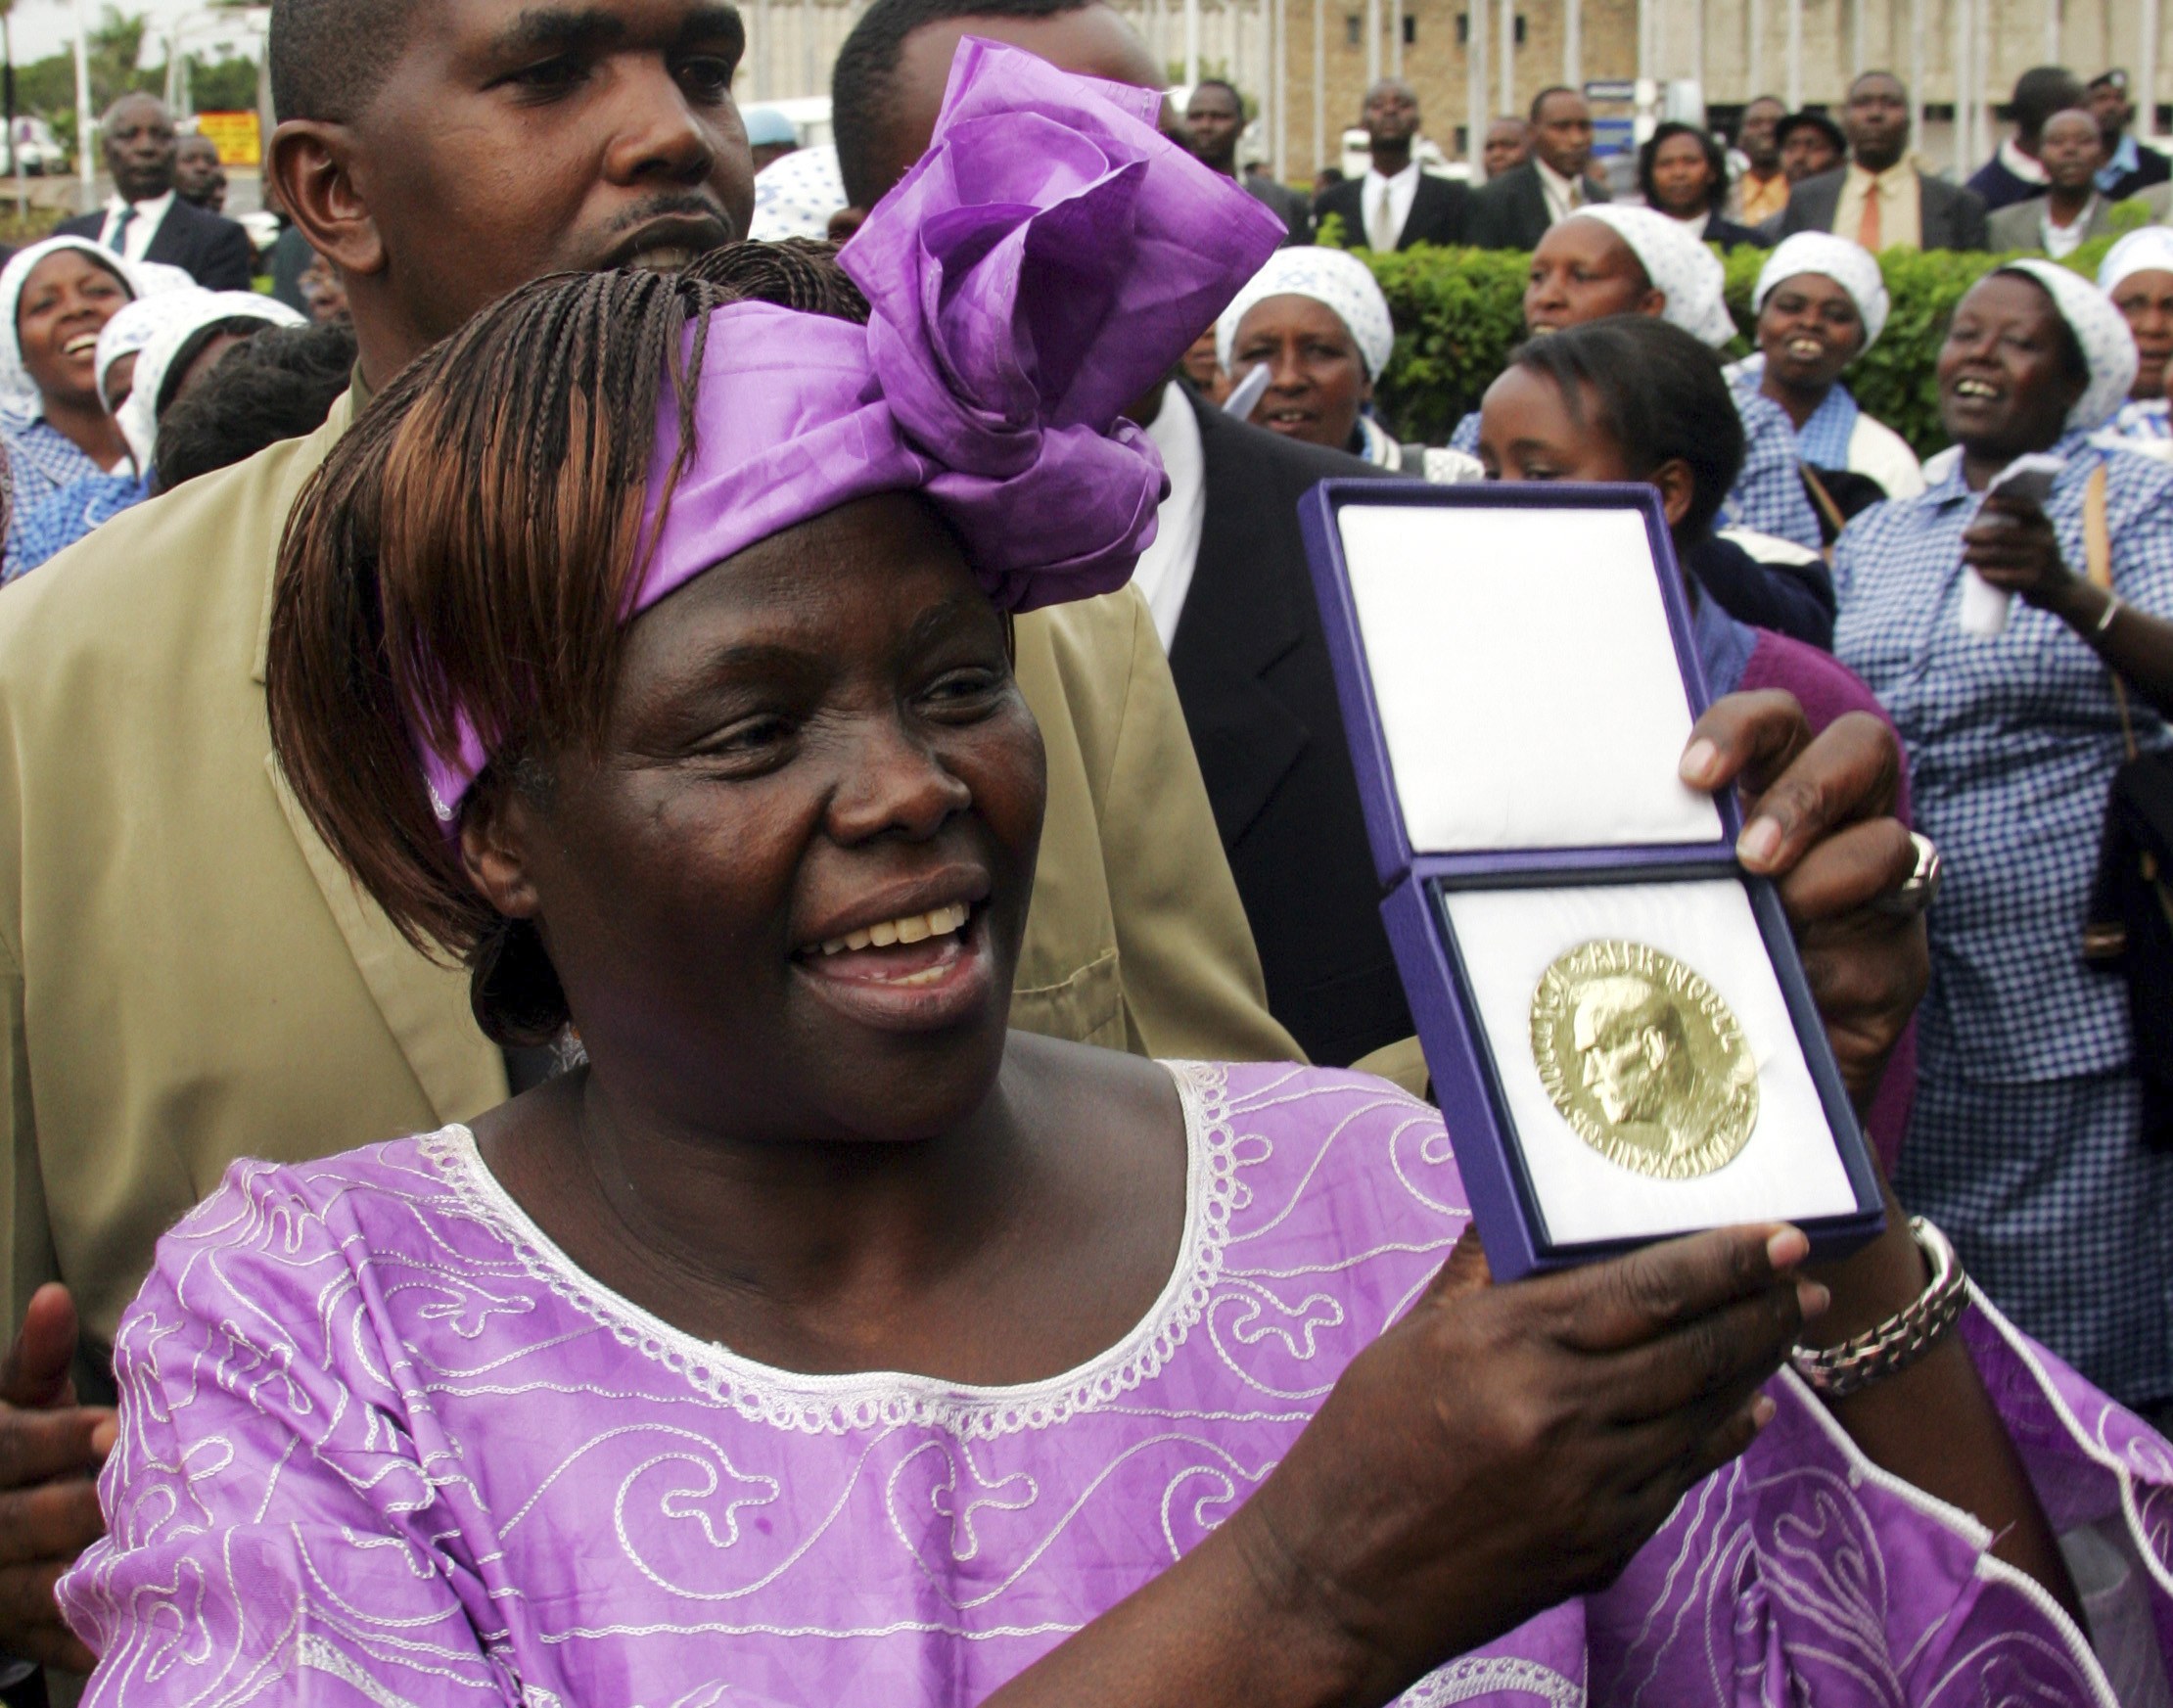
(1866, 233)
(119, 241)
(1378, 234)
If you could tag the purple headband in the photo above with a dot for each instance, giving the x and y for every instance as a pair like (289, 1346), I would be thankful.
(1045, 265)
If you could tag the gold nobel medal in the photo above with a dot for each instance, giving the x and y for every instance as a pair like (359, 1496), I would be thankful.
(1644, 1061)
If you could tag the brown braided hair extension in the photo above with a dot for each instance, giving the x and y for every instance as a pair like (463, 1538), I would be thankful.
(466, 550)
(800, 272)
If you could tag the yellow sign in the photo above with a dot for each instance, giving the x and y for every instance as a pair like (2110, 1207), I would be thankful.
(238, 135)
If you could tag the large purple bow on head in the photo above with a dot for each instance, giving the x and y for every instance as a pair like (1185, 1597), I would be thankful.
(1044, 265)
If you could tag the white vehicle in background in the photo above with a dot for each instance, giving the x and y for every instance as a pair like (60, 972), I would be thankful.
(37, 152)
(264, 229)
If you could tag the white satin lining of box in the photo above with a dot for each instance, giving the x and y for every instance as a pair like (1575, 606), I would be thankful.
(1527, 681)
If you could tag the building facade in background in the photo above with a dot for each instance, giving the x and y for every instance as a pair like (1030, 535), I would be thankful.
(1306, 63)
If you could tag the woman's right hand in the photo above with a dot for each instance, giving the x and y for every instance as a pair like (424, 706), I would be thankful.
(1505, 1448)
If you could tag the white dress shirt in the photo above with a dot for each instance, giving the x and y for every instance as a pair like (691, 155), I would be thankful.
(1165, 574)
(1564, 196)
(1388, 205)
(150, 215)
(2063, 241)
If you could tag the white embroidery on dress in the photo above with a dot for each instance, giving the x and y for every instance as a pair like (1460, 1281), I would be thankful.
(883, 1400)
(1479, 1675)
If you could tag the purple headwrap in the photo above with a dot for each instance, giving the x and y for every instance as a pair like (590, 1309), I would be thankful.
(1046, 263)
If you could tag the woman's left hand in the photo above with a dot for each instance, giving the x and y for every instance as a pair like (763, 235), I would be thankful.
(2012, 546)
(1819, 820)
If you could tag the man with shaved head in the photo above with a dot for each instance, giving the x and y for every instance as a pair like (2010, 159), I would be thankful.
(1879, 199)
(1762, 192)
(187, 975)
(1396, 205)
(146, 220)
(198, 175)
(1225, 578)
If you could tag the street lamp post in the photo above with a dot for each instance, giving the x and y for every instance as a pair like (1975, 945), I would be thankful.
(1506, 35)
(1475, 82)
(86, 125)
(1319, 83)
(1796, 56)
(2147, 68)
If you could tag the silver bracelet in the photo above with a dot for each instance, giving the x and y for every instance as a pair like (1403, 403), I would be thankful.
(1902, 1339)
(2113, 608)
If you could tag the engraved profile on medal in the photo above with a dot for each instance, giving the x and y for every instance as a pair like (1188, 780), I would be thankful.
(1645, 1060)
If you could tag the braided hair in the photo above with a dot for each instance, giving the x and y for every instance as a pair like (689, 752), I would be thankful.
(466, 552)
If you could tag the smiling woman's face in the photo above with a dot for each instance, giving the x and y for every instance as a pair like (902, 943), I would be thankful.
(1808, 331)
(787, 892)
(65, 302)
(2006, 381)
(1317, 382)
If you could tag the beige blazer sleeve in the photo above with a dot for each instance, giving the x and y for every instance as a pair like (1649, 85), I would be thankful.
(1136, 939)
(28, 1261)
(186, 975)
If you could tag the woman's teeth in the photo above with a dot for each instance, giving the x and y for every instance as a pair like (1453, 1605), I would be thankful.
(1809, 349)
(914, 928)
(1974, 388)
(76, 347)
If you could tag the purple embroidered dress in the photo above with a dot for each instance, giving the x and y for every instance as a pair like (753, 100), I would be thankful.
(381, 1442)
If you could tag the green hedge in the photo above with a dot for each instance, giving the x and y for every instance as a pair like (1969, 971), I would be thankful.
(1459, 311)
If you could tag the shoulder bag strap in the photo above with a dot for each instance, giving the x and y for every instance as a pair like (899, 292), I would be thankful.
(1821, 498)
(2097, 551)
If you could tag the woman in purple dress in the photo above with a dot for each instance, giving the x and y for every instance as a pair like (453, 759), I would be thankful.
(822, 1342)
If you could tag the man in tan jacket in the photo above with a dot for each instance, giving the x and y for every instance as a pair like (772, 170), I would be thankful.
(187, 975)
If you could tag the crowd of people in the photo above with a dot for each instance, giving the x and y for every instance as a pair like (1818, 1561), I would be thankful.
(695, 994)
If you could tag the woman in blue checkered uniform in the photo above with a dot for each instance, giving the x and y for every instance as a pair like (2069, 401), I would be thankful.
(2137, 274)
(2026, 1141)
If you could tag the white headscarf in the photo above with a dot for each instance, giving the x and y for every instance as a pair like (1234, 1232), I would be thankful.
(796, 195)
(1849, 265)
(1333, 277)
(14, 378)
(2148, 249)
(1680, 267)
(2101, 329)
(139, 416)
(136, 325)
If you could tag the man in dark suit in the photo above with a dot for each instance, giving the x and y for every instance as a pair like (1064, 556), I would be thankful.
(1226, 578)
(1516, 209)
(145, 220)
(1396, 205)
(1216, 118)
(1878, 199)
(1233, 599)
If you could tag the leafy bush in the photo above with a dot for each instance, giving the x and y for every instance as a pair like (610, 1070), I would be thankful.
(1459, 313)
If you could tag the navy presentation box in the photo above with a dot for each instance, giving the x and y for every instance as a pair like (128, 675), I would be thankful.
(1518, 678)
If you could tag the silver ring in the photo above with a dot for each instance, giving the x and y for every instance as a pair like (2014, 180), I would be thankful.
(1920, 888)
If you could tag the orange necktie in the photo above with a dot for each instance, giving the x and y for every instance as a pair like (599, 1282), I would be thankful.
(1866, 233)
